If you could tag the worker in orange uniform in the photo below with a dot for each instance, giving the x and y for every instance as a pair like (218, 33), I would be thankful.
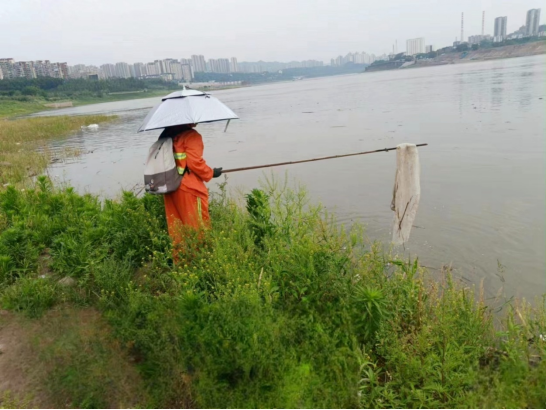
(188, 206)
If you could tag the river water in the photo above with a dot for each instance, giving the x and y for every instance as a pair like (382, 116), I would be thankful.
(482, 176)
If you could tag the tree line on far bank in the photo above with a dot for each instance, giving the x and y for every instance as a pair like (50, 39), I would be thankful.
(286, 74)
(49, 88)
(56, 88)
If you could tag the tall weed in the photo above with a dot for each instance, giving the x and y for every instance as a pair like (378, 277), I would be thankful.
(275, 306)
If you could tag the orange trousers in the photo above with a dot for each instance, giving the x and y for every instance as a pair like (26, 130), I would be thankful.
(185, 210)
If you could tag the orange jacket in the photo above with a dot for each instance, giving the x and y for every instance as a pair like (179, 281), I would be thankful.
(188, 153)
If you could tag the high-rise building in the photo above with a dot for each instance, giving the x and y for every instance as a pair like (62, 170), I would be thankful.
(108, 70)
(533, 22)
(6, 67)
(429, 49)
(63, 70)
(77, 71)
(359, 58)
(478, 38)
(140, 70)
(234, 66)
(212, 65)
(43, 68)
(25, 69)
(199, 64)
(164, 66)
(219, 65)
(223, 65)
(500, 28)
(152, 69)
(187, 72)
(122, 70)
(176, 70)
(167, 65)
(415, 46)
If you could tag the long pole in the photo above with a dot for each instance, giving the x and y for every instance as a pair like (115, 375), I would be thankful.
(311, 160)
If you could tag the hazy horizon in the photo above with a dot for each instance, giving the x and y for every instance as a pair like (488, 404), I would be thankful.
(108, 31)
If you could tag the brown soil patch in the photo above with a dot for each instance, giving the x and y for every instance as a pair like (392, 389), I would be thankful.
(65, 359)
(17, 368)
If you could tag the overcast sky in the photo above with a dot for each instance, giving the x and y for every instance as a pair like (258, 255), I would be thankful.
(108, 31)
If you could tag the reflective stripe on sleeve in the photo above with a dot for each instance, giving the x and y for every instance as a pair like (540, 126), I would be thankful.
(179, 155)
(180, 170)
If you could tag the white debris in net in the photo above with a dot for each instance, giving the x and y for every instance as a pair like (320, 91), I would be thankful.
(406, 193)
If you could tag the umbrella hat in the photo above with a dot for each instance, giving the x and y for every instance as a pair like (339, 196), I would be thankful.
(186, 106)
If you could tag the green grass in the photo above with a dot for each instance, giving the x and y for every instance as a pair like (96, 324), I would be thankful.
(9, 401)
(23, 143)
(84, 367)
(120, 97)
(275, 306)
(13, 108)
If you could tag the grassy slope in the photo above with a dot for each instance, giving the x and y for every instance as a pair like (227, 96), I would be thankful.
(275, 307)
(13, 108)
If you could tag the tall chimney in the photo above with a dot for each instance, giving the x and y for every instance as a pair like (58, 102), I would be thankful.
(483, 23)
(462, 27)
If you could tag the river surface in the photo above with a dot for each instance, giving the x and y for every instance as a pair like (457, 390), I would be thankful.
(483, 182)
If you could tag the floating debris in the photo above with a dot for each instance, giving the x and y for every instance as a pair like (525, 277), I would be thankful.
(92, 127)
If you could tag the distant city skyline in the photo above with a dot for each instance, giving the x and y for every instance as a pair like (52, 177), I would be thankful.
(184, 69)
(269, 31)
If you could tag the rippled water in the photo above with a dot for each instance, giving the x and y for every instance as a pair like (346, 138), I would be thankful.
(483, 174)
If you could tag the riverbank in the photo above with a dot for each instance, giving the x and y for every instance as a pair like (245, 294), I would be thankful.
(496, 53)
(15, 108)
(23, 144)
(121, 97)
(480, 55)
(272, 307)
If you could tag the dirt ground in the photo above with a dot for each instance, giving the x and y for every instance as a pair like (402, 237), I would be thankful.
(18, 378)
(65, 359)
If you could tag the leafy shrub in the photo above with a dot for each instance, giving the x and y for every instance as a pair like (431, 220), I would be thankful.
(275, 306)
(29, 295)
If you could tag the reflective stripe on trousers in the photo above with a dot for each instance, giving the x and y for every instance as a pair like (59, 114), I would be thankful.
(199, 210)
